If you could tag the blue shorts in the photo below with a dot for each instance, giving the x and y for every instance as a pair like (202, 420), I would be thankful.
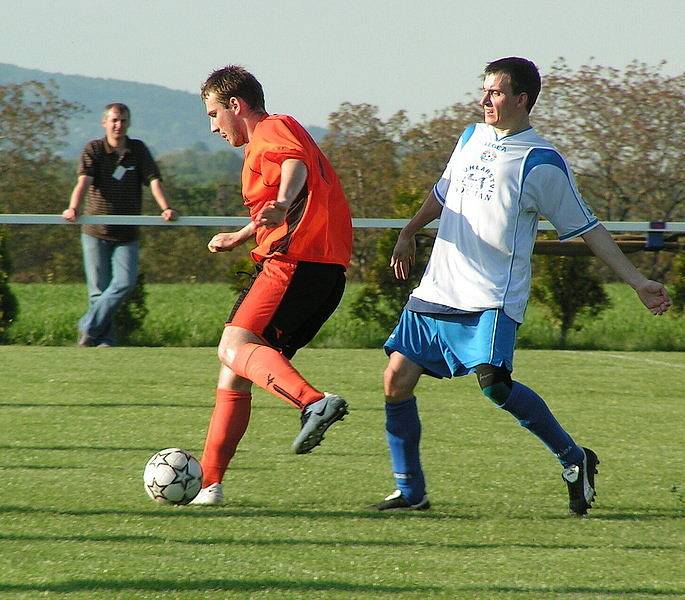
(453, 345)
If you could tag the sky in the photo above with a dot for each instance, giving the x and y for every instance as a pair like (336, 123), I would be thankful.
(313, 55)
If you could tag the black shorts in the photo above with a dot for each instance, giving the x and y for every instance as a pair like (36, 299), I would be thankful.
(287, 303)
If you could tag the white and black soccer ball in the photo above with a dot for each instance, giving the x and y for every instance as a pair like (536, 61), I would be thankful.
(172, 476)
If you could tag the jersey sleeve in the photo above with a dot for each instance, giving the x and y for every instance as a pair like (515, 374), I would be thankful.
(549, 187)
(278, 144)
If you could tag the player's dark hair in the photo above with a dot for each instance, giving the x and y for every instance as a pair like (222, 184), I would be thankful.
(523, 76)
(120, 106)
(234, 81)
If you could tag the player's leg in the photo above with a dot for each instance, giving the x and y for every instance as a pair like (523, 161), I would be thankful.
(412, 351)
(530, 410)
(249, 357)
(484, 343)
(532, 413)
(262, 328)
(403, 434)
(312, 297)
(227, 426)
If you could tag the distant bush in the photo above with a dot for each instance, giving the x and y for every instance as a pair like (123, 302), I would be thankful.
(131, 314)
(382, 296)
(678, 270)
(568, 287)
(8, 302)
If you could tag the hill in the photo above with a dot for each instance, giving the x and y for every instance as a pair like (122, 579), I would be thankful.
(167, 120)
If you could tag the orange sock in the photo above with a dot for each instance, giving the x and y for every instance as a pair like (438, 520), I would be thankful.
(226, 428)
(272, 371)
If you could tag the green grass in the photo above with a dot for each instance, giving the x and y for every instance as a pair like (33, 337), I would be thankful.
(193, 315)
(78, 425)
(180, 314)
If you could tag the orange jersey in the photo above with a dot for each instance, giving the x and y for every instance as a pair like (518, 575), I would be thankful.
(318, 226)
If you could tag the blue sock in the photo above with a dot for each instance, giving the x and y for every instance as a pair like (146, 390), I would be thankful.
(533, 414)
(403, 432)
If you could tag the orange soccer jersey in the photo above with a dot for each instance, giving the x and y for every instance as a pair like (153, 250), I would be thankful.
(318, 226)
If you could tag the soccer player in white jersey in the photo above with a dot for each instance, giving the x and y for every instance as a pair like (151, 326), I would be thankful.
(463, 316)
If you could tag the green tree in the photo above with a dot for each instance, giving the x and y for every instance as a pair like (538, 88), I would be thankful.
(426, 147)
(32, 177)
(421, 154)
(363, 148)
(381, 298)
(197, 165)
(616, 127)
(568, 287)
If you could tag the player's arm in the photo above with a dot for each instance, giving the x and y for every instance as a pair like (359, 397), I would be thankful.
(158, 193)
(404, 253)
(225, 242)
(293, 178)
(652, 293)
(81, 188)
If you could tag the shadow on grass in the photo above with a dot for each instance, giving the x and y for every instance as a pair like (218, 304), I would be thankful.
(304, 587)
(102, 405)
(54, 447)
(597, 591)
(229, 541)
(151, 450)
(252, 511)
(206, 585)
(164, 405)
(41, 467)
(212, 512)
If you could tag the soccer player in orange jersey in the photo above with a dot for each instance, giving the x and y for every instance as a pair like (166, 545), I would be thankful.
(300, 220)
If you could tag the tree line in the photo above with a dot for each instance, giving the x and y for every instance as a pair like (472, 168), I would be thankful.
(615, 126)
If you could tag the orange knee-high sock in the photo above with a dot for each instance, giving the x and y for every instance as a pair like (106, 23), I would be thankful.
(226, 428)
(272, 371)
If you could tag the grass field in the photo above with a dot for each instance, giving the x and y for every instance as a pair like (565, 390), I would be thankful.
(77, 426)
(193, 314)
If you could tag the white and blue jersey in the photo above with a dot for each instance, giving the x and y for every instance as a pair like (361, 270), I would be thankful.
(493, 193)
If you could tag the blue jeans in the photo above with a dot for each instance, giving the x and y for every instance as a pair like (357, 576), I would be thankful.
(111, 274)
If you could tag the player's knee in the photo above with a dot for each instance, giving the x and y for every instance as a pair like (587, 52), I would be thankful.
(495, 382)
(226, 354)
(396, 385)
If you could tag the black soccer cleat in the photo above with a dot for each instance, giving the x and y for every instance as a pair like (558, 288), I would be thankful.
(396, 501)
(316, 419)
(580, 480)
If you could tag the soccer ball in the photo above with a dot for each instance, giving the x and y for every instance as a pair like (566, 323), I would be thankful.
(172, 476)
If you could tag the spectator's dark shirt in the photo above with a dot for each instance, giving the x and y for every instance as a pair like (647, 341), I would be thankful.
(117, 184)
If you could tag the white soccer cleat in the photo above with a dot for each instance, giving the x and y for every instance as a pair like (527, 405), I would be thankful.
(212, 495)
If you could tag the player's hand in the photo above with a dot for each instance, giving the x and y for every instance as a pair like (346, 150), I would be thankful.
(654, 296)
(224, 242)
(403, 256)
(70, 214)
(272, 214)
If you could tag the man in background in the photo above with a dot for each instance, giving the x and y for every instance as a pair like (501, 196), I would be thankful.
(111, 173)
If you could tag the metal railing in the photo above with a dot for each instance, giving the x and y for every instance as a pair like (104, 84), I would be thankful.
(198, 221)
